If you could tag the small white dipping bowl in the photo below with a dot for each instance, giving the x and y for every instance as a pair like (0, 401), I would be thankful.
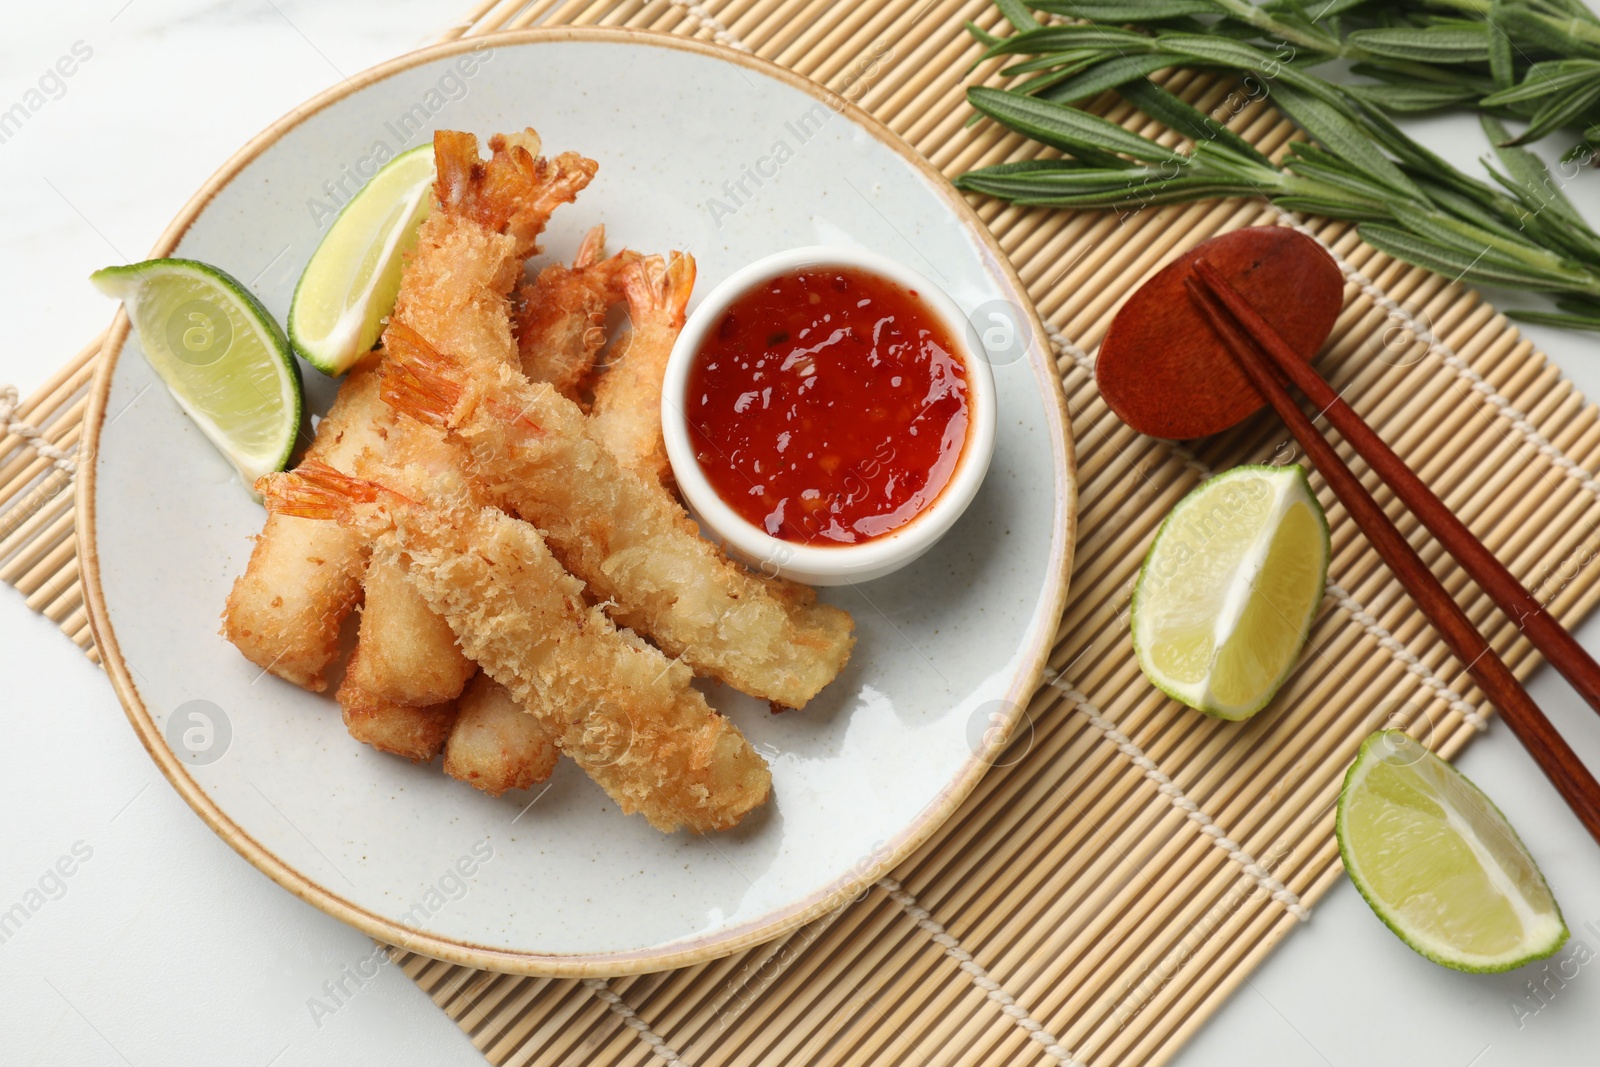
(829, 564)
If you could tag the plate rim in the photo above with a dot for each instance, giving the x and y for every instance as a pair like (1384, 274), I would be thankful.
(701, 948)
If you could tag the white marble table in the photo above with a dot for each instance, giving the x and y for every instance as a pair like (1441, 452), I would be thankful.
(166, 947)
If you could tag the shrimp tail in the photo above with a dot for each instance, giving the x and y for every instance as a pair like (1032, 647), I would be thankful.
(418, 380)
(660, 290)
(678, 284)
(555, 182)
(592, 248)
(514, 191)
(315, 491)
(415, 378)
(457, 168)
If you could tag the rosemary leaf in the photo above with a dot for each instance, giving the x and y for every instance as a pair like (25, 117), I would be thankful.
(1578, 242)
(1501, 65)
(1528, 178)
(1439, 77)
(1550, 68)
(1075, 59)
(1284, 24)
(1107, 75)
(1127, 10)
(1112, 185)
(1329, 10)
(1574, 8)
(1510, 251)
(1135, 198)
(1425, 46)
(1586, 150)
(1061, 38)
(1418, 159)
(1308, 161)
(1579, 305)
(1345, 139)
(1219, 52)
(983, 36)
(1016, 12)
(1537, 31)
(1414, 97)
(1454, 264)
(1089, 137)
(1039, 84)
(1333, 209)
(1199, 127)
(1474, 212)
(1558, 112)
(1542, 83)
(1567, 320)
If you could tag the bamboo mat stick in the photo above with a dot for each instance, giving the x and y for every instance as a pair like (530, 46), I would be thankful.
(43, 574)
(484, 15)
(28, 558)
(54, 503)
(779, 27)
(534, 14)
(74, 620)
(68, 600)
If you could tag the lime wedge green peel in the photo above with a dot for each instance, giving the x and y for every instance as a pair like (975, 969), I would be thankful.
(1438, 862)
(350, 285)
(221, 354)
(1230, 588)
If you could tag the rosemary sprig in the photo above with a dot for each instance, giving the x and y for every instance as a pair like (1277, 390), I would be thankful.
(1521, 232)
(1535, 60)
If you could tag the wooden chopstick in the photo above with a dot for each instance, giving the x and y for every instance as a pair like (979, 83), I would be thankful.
(1554, 756)
(1558, 646)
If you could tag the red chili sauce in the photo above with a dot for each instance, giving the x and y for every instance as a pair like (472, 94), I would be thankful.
(829, 406)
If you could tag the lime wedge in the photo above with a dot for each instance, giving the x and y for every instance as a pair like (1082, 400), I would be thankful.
(1230, 588)
(1438, 862)
(354, 275)
(221, 354)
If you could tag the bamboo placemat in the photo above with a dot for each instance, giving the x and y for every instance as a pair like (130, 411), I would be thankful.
(1104, 890)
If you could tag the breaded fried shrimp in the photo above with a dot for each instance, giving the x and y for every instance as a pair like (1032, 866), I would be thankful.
(627, 400)
(495, 745)
(623, 711)
(468, 256)
(457, 280)
(417, 733)
(560, 317)
(409, 655)
(303, 579)
(620, 531)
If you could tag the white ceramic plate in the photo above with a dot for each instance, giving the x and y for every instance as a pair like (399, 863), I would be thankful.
(688, 138)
